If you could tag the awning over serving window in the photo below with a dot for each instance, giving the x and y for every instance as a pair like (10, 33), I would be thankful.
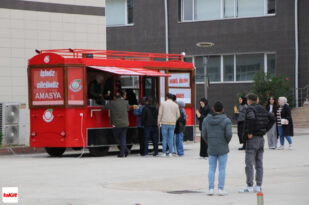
(130, 71)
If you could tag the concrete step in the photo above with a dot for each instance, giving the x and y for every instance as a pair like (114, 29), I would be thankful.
(297, 117)
(301, 117)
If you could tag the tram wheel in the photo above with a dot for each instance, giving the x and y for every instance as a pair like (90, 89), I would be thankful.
(98, 151)
(55, 151)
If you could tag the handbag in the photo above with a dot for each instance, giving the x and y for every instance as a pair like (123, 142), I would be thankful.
(284, 121)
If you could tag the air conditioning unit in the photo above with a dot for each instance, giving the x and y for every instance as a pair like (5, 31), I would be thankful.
(13, 125)
(11, 135)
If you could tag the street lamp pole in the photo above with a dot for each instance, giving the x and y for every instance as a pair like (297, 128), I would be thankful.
(206, 80)
(205, 77)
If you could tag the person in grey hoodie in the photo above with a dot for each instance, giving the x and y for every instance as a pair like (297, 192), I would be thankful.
(217, 132)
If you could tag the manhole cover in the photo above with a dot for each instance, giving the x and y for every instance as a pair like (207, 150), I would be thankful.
(184, 192)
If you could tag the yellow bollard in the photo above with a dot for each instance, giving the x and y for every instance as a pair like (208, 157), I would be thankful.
(260, 198)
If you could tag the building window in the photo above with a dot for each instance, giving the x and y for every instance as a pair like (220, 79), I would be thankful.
(271, 64)
(130, 11)
(119, 12)
(199, 69)
(234, 67)
(228, 68)
(188, 59)
(271, 6)
(229, 8)
(250, 8)
(188, 6)
(213, 67)
(206, 10)
(201, 10)
(248, 65)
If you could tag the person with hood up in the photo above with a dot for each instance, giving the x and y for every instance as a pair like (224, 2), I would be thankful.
(180, 127)
(149, 122)
(217, 132)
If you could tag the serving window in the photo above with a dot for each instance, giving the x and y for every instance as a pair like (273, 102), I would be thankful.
(131, 87)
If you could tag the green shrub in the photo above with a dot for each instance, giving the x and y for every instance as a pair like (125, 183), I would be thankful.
(266, 85)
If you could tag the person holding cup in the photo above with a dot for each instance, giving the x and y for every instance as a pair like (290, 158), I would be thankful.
(284, 122)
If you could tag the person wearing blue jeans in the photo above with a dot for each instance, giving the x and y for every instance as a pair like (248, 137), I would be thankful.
(179, 144)
(288, 138)
(167, 137)
(167, 117)
(149, 122)
(213, 160)
(284, 122)
(151, 132)
(217, 133)
(180, 127)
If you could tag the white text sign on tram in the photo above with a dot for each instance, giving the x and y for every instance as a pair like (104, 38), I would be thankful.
(179, 80)
(183, 95)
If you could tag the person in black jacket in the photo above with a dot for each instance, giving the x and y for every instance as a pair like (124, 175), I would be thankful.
(201, 115)
(149, 121)
(240, 116)
(180, 127)
(285, 122)
(257, 122)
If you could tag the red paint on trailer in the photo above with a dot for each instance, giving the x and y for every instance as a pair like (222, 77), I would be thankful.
(50, 121)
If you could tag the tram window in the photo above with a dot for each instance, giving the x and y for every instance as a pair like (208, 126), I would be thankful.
(130, 84)
(100, 87)
(150, 88)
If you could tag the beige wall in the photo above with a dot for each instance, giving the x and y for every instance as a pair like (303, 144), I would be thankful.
(24, 31)
(97, 3)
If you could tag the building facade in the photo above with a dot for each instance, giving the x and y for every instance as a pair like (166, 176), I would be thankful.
(39, 24)
(248, 37)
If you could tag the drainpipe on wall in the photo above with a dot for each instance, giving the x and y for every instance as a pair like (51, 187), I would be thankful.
(296, 52)
(166, 26)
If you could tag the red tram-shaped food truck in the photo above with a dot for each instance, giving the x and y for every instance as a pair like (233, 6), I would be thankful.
(62, 113)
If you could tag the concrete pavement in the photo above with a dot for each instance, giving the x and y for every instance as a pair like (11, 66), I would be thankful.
(154, 180)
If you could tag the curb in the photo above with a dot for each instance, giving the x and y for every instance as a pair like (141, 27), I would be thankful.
(20, 150)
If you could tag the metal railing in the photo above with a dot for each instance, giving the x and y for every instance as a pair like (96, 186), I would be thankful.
(113, 55)
(303, 95)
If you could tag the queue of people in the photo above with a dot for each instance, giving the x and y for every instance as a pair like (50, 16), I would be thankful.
(170, 118)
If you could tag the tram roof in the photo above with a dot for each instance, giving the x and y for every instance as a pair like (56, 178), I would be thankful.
(115, 58)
